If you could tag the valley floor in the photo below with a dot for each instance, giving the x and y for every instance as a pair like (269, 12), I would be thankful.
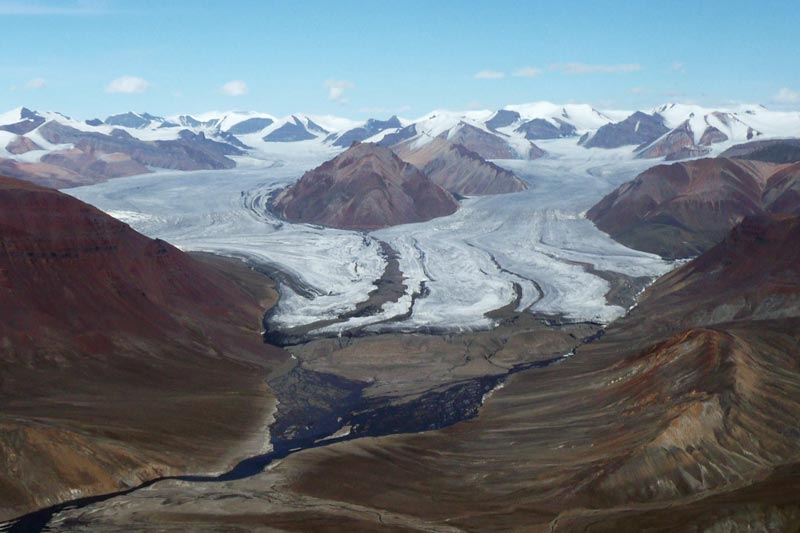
(605, 440)
(539, 398)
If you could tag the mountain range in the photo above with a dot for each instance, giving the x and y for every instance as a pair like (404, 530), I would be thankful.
(57, 150)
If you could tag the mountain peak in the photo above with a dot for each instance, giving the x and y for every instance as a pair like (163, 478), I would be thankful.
(133, 120)
(366, 187)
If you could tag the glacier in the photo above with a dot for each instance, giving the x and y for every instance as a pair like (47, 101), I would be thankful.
(528, 247)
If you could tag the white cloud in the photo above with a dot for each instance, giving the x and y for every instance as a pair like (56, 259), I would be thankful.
(640, 90)
(36, 83)
(678, 66)
(127, 85)
(234, 88)
(585, 68)
(786, 96)
(527, 72)
(337, 88)
(489, 75)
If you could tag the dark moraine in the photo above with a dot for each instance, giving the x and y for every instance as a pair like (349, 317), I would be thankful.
(390, 287)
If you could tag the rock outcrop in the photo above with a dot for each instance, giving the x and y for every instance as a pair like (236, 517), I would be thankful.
(250, 125)
(399, 136)
(133, 120)
(638, 129)
(712, 135)
(540, 129)
(28, 121)
(677, 144)
(502, 119)
(295, 131)
(366, 187)
(21, 145)
(371, 128)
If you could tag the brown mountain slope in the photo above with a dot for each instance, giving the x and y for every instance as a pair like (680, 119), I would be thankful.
(123, 358)
(782, 193)
(637, 129)
(677, 144)
(772, 151)
(458, 169)
(72, 168)
(488, 145)
(21, 145)
(95, 157)
(682, 209)
(365, 187)
(42, 174)
(190, 151)
(752, 274)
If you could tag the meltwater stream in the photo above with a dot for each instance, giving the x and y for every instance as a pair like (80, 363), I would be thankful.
(366, 418)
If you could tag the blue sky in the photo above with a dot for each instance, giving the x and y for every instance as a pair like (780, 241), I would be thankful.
(375, 58)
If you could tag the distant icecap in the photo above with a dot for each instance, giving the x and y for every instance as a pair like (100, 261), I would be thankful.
(468, 263)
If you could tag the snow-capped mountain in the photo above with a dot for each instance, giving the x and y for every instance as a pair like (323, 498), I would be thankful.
(576, 119)
(693, 129)
(67, 150)
(680, 131)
